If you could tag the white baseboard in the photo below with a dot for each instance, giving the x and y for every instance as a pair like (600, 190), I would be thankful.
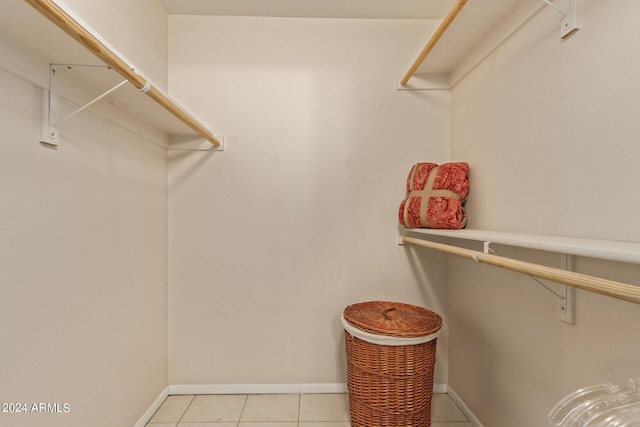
(269, 388)
(257, 388)
(144, 419)
(440, 388)
(475, 422)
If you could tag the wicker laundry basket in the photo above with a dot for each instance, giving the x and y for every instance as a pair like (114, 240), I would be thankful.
(391, 354)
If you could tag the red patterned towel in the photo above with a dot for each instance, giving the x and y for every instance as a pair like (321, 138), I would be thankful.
(436, 195)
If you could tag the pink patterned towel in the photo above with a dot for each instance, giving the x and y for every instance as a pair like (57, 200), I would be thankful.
(436, 196)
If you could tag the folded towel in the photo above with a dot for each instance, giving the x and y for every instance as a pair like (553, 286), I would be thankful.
(436, 196)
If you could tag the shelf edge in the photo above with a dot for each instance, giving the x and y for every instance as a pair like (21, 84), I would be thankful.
(612, 250)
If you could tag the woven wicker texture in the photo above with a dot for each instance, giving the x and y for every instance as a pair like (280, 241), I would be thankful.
(393, 319)
(390, 386)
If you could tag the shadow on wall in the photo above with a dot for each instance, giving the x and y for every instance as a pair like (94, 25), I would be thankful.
(341, 357)
(188, 154)
(430, 272)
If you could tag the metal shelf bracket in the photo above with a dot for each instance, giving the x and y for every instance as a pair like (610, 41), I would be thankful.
(49, 122)
(565, 294)
(569, 12)
(48, 131)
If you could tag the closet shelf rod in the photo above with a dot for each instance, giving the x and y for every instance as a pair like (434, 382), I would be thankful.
(65, 22)
(623, 291)
(446, 22)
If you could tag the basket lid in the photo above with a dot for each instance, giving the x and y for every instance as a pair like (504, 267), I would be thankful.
(393, 319)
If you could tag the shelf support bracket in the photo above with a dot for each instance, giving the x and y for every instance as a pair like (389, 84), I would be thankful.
(565, 308)
(565, 294)
(569, 12)
(49, 121)
(48, 131)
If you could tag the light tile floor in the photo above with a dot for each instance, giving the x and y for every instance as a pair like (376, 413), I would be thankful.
(279, 410)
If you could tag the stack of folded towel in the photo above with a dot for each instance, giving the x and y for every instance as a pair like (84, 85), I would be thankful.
(436, 195)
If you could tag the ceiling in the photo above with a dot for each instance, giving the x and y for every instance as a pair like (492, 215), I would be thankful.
(476, 19)
(373, 9)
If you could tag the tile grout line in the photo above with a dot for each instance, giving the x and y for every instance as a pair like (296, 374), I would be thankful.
(186, 409)
(244, 406)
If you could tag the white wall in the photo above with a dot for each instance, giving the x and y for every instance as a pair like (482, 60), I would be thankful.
(551, 129)
(551, 126)
(272, 238)
(83, 255)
